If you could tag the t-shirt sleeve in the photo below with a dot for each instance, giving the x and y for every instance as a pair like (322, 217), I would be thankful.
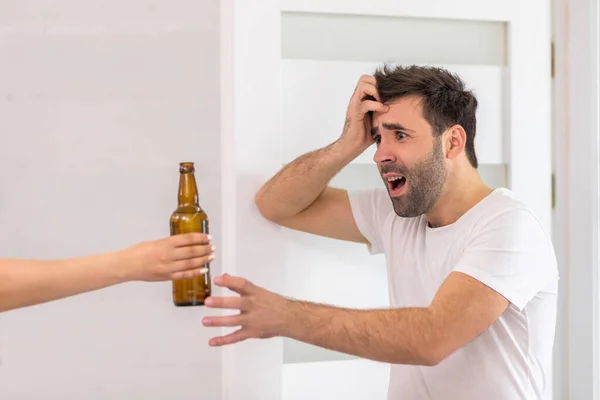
(511, 254)
(370, 209)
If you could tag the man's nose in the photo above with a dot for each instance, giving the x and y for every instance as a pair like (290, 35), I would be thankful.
(384, 153)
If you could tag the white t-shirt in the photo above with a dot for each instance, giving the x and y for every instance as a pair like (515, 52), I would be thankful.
(502, 244)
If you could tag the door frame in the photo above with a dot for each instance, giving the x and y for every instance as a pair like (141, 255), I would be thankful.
(577, 189)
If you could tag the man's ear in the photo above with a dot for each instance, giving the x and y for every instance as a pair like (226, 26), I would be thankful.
(455, 139)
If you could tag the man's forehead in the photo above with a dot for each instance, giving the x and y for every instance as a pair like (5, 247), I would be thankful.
(411, 104)
(401, 109)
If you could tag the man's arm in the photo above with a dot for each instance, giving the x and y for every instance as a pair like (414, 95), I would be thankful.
(462, 309)
(299, 197)
(28, 282)
(508, 260)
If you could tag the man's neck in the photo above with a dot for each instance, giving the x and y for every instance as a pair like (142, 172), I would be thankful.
(459, 196)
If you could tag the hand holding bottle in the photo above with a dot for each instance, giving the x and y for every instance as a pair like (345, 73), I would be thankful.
(180, 256)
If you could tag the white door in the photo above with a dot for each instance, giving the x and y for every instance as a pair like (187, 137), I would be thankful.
(294, 65)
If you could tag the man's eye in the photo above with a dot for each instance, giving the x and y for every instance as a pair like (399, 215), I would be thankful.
(377, 139)
(401, 135)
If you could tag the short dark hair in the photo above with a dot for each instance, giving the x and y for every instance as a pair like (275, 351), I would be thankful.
(445, 100)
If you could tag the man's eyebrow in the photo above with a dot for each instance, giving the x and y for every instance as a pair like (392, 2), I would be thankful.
(395, 127)
(390, 126)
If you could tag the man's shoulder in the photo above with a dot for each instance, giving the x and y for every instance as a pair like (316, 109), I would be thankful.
(503, 206)
(504, 219)
(501, 199)
(508, 249)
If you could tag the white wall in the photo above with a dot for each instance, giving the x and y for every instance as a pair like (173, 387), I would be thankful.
(99, 101)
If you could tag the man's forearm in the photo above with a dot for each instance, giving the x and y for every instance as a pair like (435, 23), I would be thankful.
(28, 282)
(297, 185)
(397, 336)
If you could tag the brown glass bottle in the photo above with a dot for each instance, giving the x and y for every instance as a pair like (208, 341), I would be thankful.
(189, 217)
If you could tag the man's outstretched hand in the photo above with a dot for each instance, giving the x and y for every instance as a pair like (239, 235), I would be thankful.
(263, 314)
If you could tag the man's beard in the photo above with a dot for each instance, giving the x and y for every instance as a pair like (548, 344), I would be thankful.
(425, 183)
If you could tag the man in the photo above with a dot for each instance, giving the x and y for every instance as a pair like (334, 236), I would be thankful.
(28, 282)
(473, 275)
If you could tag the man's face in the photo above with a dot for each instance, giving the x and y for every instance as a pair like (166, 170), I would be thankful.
(410, 160)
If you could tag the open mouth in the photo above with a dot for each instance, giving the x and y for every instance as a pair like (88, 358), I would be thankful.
(396, 184)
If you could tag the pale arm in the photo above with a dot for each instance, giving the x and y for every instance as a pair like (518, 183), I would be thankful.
(28, 282)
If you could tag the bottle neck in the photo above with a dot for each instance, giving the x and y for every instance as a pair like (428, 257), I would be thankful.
(188, 192)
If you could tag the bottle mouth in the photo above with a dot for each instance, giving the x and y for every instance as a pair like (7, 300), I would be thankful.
(186, 166)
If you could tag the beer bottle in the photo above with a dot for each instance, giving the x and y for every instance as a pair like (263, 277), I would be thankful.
(189, 217)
